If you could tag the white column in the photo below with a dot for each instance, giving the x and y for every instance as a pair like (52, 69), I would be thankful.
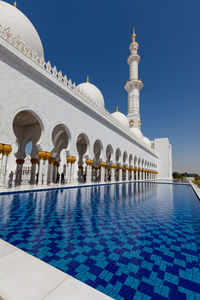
(89, 164)
(88, 173)
(1, 158)
(40, 173)
(132, 175)
(120, 173)
(102, 166)
(72, 172)
(3, 169)
(112, 166)
(70, 161)
(53, 173)
(126, 175)
(112, 174)
(46, 164)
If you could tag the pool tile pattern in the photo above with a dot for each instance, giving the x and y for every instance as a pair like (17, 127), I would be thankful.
(130, 241)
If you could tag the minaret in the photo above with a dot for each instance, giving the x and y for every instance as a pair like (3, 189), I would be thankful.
(133, 85)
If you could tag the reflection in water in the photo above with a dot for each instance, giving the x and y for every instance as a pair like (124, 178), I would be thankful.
(80, 229)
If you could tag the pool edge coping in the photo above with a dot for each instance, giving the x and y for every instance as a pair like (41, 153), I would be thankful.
(64, 187)
(60, 282)
(196, 189)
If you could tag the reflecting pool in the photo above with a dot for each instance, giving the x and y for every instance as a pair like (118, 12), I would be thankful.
(130, 241)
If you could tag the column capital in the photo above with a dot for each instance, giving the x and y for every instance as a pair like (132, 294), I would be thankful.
(102, 164)
(5, 149)
(71, 159)
(44, 155)
(20, 161)
(89, 162)
(48, 155)
(1, 148)
(120, 167)
(56, 164)
(113, 166)
(41, 155)
(51, 160)
(34, 161)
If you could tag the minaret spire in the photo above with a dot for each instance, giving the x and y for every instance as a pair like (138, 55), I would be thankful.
(133, 85)
(133, 35)
(15, 4)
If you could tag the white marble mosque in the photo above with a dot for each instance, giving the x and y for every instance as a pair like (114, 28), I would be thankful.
(67, 125)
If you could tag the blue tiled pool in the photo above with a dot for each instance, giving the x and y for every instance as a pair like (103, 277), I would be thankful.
(130, 241)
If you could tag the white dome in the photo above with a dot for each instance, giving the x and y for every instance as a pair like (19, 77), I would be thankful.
(93, 92)
(19, 24)
(146, 141)
(136, 132)
(121, 118)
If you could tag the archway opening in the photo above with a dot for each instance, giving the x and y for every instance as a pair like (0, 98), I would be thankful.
(60, 139)
(82, 146)
(27, 128)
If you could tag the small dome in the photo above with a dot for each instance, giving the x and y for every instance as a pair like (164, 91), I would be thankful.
(19, 24)
(120, 118)
(93, 92)
(136, 132)
(146, 141)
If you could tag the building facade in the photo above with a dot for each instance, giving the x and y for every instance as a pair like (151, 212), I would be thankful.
(70, 130)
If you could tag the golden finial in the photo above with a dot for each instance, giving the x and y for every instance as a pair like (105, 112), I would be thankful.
(131, 123)
(133, 35)
(87, 79)
(15, 4)
(117, 109)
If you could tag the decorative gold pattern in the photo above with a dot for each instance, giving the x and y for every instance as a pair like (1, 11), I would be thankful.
(1, 148)
(113, 166)
(71, 159)
(41, 155)
(89, 162)
(44, 155)
(7, 149)
(102, 164)
(15, 4)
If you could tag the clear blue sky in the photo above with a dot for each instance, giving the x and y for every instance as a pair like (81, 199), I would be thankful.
(92, 38)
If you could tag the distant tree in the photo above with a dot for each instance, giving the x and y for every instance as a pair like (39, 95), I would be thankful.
(178, 176)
